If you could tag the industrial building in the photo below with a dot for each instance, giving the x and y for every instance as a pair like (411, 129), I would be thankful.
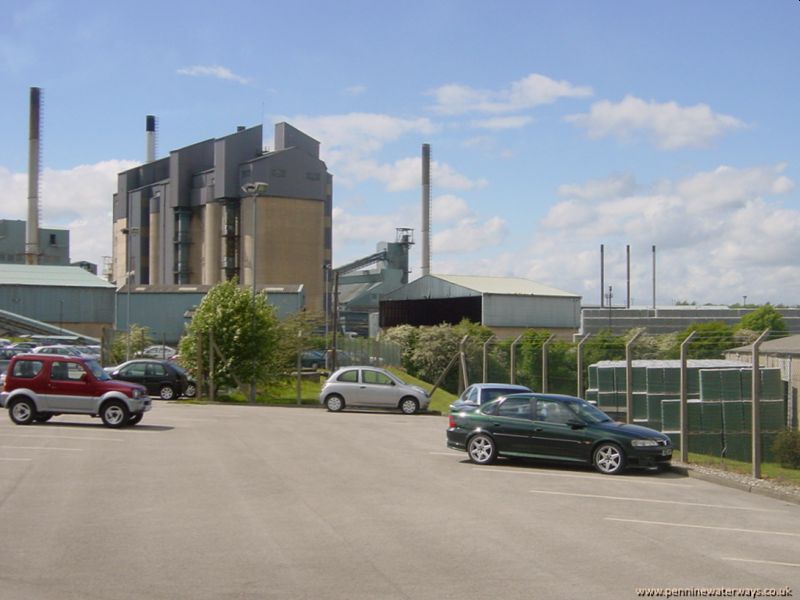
(363, 282)
(506, 305)
(69, 298)
(225, 208)
(670, 319)
(53, 244)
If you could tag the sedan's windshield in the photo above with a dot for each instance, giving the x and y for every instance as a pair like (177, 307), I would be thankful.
(587, 412)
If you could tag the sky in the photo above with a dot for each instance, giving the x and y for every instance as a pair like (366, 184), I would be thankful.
(555, 127)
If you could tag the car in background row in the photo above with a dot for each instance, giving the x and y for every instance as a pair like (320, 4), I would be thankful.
(161, 378)
(371, 387)
(62, 350)
(158, 351)
(480, 393)
(555, 427)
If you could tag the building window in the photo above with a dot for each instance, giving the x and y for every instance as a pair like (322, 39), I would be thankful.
(52, 239)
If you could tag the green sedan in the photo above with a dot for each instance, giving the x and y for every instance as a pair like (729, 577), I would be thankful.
(555, 427)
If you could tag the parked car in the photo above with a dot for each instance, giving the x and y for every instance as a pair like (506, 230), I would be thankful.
(7, 353)
(4, 362)
(160, 377)
(40, 386)
(61, 350)
(158, 351)
(313, 359)
(555, 427)
(371, 387)
(481, 393)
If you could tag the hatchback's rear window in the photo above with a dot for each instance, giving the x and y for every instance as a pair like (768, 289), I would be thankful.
(27, 368)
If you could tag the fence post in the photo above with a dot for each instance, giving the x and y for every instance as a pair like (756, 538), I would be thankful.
(485, 357)
(684, 408)
(545, 350)
(756, 393)
(579, 366)
(299, 363)
(629, 378)
(514, 360)
(463, 358)
(212, 390)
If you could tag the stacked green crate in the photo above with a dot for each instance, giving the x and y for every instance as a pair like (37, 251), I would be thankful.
(693, 383)
(771, 384)
(640, 411)
(591, 396)
(710, 385)
(655, 396)
(731, 385)
(671, 416)
(592, 371)
(672, 380)
(746, 379)
(606, 388)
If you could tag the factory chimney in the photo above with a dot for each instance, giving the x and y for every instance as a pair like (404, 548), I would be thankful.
(32, 226)
(150, 138)
(426, 209)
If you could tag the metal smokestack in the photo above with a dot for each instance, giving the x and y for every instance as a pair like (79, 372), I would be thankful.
(150, 136)
(602, 276)
(654, 278)
(628, 270)
(426, 209)
(32, 226)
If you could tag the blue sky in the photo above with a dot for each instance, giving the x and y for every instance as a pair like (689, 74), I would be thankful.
(555, 126)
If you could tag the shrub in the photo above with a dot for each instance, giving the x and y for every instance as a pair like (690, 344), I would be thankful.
(787, 448)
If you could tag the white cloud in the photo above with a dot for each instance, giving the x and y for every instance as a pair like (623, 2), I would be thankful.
(448, 208)
(503, 122)
(668, 125)
(468, 235)
(215, 71)
(78, 199)
(526, 93)
(355, 90)
(719, 234)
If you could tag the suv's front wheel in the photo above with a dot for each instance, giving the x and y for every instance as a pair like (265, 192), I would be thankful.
(22, 411)
(115, 414)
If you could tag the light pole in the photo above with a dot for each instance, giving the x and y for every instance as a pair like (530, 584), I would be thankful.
(128, 272)
(253, 189)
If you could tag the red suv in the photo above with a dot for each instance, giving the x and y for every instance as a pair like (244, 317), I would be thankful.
(40, 386)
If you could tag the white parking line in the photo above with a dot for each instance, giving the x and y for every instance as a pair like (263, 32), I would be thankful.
(736, 529)
(61, 437)
(631, 499)
(40, 448)
(762, 562)
(578, 476)
(15, 459)
(443, 453)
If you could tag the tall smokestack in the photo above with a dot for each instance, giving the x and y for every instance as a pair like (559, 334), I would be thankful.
(602, 276)
(150, 136)
(32, 226)
(628, 271)
(426, 209)
(654, 277)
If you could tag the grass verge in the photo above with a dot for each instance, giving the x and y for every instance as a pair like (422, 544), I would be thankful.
(768, 470)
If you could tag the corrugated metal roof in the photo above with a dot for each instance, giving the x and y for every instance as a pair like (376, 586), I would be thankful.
(48, 275)
(504, 285)
(784, 345)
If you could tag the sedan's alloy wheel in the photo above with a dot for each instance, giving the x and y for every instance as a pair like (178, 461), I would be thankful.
(166, 392)
(481, 449)
(609, 459)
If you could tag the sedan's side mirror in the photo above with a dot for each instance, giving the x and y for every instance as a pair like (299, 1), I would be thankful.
(576, 424)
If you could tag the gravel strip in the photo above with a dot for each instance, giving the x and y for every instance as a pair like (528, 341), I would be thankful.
(764, 487)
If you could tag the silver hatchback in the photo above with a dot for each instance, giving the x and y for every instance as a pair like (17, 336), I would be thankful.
(371, 387)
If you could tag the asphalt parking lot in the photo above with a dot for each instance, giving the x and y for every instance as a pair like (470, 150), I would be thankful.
(270, 502)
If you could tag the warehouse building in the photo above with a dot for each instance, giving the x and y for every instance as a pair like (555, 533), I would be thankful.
(669, 319)
(506, 305)
(69, 298)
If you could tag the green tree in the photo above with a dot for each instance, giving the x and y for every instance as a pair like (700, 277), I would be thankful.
(711, 340)
(140, 338)
(764, 317)
(298, 332)
(245, 331)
